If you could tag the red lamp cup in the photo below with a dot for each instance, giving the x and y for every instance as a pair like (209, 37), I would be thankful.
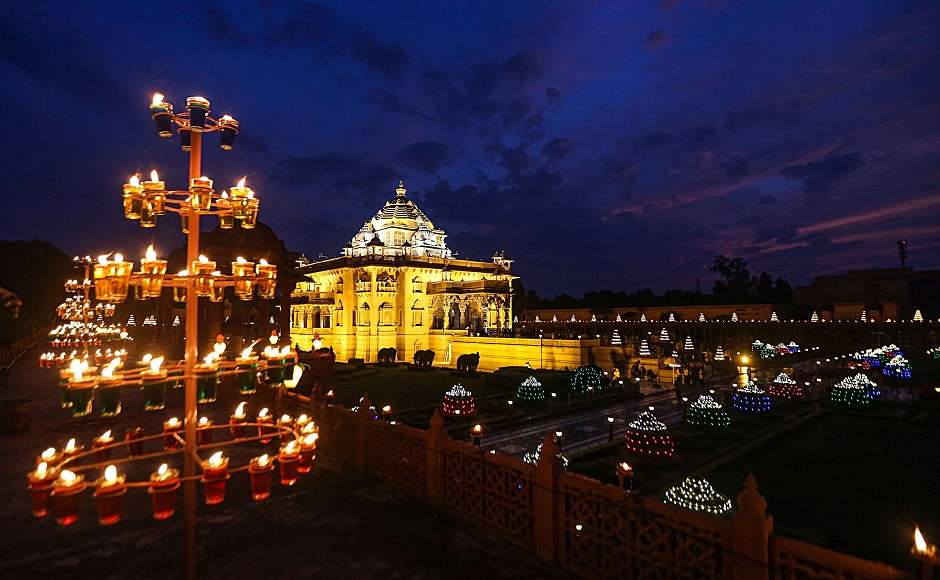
(289, 459)
(308, 452)
(259, 470)
(66, 495)
(101, 443)
(40, 483)
(50, 457)
(71, 449)
(163, 485)
(109, 496)
(236, 421)
(286, 422)
(263, 429)
(135, 446)
(171, 427)
(204, 431)
(215, 475)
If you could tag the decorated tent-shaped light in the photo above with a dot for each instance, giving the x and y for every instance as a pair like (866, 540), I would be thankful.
(734, 317)
(154, 381)
(530, 390)
(288, 458)
(645, 348)
(109, 496)
(66, 494)
(751, 399)
(849, 393)
(897, 367)
(707, 412)
(688, 344)
(259, 472)
(873, 391)
(785, 388)
(215, 475)
(698, 495)
(814, 317)
(586, 378)
(40, 482)
(918, 317)
(162, 489)
(664, 335)
(648, 436)
(458, 402)
(719, 354)
(162, 114)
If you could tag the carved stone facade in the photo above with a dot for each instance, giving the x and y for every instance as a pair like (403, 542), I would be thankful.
(398, 285)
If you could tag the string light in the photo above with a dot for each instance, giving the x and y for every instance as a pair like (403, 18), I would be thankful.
(459, 402)
(850, 393)
(785, 388)
(688, 344)
(645, 348)
(698, 495)
(586, 378)
(647, 435)
(664, 335)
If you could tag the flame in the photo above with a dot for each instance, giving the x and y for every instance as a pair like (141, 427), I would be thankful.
(215, 460)
(219, 347)
(273, 338)
(70, 446)
(240, 409)
(241, 182)
(103, 259)
(263, 413)
(183, 273)
(155, 363)
(203, 420)
(285, 418)
(105, 436)
(157, 99)
(203, 259)
(151, 254)
(625, 466)
(118, 257)
(262, 262)
(291, 447)
(310, 439)
(227, 118)
(41, 469)
(920, 544)
(147, 358)
(173, 422)
(67, 477)
(240, 260)
(285, 350)
(161, 471)
(477, 428)
(246, 353)
(210, 358)
(224, 194)
(387, 409)
(75, 367)
(303, 419)
(263, 460)
(107, 372)
(110, 474)
(134, 180)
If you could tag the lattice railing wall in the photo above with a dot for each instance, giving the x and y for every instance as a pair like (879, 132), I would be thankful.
(492, 491)
(795, 560)
(396, 454)
(606, 533)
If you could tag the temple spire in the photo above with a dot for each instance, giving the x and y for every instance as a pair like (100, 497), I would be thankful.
(400, 190)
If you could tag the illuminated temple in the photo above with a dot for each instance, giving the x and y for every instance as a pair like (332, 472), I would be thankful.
(397, 284)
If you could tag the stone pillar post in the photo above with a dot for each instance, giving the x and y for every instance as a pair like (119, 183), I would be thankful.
(751, 537)
(546, 503)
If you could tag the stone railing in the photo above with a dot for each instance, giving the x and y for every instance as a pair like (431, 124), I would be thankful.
(579, 524)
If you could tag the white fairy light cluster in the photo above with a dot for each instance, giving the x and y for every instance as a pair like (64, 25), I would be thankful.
(647, 421)
(530, 390)
(850, 392)
(707, 412)
(698, 495)
(533, 457)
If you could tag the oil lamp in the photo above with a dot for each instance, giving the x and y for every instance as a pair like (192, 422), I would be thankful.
(243, 272)
(109, 496)
(179, 292)
(246, 364)
(252, 205)
(625, 474)
(286, 422)
(214, 477)
(288, 459)
(135, 445)
(119, 277)
(109, 391)
(81, 388)
(198, 110)
(308, 452)
(476, 433)
(207, 379)
(163, 485)
(50, 457)
(228, 127)
(240, 195)
(172, 427)
(103, 441)
(224, 204)
(132, 198)
(301, 421)
(266, 419)
(236, 420)
(202, 270)
(40, 482)
(66, 493)
(162, 113)
(203, 431)
(101, 272)
(259, 471)
(154, 385)
(152, 271)
(266, 279)
(200, 190)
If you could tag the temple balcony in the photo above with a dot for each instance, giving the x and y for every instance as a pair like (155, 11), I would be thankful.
(311, 297)
(469, 287)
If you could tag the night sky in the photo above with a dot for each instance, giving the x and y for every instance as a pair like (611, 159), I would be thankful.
(616, 145)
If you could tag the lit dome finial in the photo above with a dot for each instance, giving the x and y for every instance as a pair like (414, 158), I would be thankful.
(400, 190)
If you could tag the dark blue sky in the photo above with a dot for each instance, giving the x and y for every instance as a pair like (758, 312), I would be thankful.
(616, 144)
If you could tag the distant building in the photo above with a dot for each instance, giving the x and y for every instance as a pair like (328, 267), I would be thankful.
(653, 313)
(396, 284)
(882, 294)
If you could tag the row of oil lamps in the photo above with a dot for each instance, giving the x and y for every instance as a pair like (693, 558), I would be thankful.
(145, 201)
(113, 277)
(196, 120)
(54, 488)
(81, 381)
